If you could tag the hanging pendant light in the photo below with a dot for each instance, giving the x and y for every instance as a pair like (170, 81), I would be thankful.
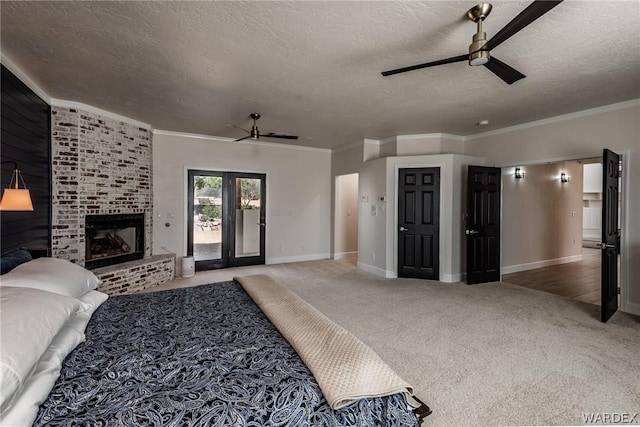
(15, 198)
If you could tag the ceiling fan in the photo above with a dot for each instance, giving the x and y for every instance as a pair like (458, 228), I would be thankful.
(480, 47)
(254, 133)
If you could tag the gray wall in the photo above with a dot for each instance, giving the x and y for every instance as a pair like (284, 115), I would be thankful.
(541, 217)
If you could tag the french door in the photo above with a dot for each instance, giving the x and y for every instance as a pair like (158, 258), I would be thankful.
(226, 218)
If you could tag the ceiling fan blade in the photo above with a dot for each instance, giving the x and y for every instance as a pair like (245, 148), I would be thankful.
(280, 135)
(507, 73)
(238, 127)
(240, 139)
(534, 11)
(427, 64)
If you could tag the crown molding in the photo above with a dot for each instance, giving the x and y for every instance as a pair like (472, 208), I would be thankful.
(431, 136)
(557, 119)
(24, 78)
(388, 140)
(104, 113)
(356, 144)
(246, 141)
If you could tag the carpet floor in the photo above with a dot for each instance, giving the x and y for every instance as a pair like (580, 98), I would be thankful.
(489, 354)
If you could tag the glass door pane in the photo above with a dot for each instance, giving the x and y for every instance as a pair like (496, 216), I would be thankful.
(207, 217)
(249, 222)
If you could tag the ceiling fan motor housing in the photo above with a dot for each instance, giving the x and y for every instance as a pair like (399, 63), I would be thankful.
(476, 55)
(477, 14)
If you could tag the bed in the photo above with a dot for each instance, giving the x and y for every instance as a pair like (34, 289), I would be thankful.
(200, 356)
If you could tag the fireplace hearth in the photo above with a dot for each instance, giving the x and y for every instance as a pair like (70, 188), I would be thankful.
(113, 239)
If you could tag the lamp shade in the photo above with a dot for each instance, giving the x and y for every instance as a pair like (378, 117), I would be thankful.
(16, 199)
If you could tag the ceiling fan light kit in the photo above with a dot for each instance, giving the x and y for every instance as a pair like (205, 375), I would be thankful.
(480, 47)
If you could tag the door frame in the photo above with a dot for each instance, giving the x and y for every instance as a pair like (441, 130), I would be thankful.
(625, 304)
(188, 222)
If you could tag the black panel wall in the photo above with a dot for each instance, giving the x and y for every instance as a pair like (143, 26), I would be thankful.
(26, 136)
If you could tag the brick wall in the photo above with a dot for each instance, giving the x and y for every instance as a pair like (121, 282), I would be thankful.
(100, 166)
(134, 276)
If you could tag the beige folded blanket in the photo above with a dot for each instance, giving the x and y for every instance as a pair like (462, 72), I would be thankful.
(346, 369)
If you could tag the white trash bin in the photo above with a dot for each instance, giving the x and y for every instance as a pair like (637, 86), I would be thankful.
(188, 266)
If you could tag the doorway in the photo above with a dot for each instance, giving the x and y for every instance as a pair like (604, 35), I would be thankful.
(226, 218)
(346, 218)
(564, 212)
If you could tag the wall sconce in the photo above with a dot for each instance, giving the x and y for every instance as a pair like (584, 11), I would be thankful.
(13, 197)
(564, 178)
(519, 174)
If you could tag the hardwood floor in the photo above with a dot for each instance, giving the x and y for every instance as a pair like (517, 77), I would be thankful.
(576, 280)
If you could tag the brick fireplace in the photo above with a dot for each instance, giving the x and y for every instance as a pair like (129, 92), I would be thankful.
(100, 166)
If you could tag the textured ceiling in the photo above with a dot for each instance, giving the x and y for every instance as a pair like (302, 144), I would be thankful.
(313, 68)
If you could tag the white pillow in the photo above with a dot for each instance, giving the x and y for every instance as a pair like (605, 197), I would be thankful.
(52, 275)
(30, 319)
(26, 404)
(91, 301)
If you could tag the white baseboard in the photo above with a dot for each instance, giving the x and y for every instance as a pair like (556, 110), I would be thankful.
(539, 264)
(376, 270)
(452, 278)
(341, 255)
(297, 258)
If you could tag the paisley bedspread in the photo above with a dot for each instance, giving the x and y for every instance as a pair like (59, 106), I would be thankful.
(201, 356)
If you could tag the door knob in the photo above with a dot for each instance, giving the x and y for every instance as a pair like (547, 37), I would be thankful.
(607, 246)
(472, 232)
(403, 229)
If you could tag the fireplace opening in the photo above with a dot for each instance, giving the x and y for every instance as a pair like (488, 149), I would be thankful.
(112, 239)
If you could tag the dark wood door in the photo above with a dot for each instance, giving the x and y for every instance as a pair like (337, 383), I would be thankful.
(483, 224)
(610, 233)
(419, 223)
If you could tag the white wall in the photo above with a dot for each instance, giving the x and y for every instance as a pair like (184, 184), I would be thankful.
(436, 143)
(346, 215)
(298, 205)
(372, 235)
(582, 135)
(592, 178)
(378, 235)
